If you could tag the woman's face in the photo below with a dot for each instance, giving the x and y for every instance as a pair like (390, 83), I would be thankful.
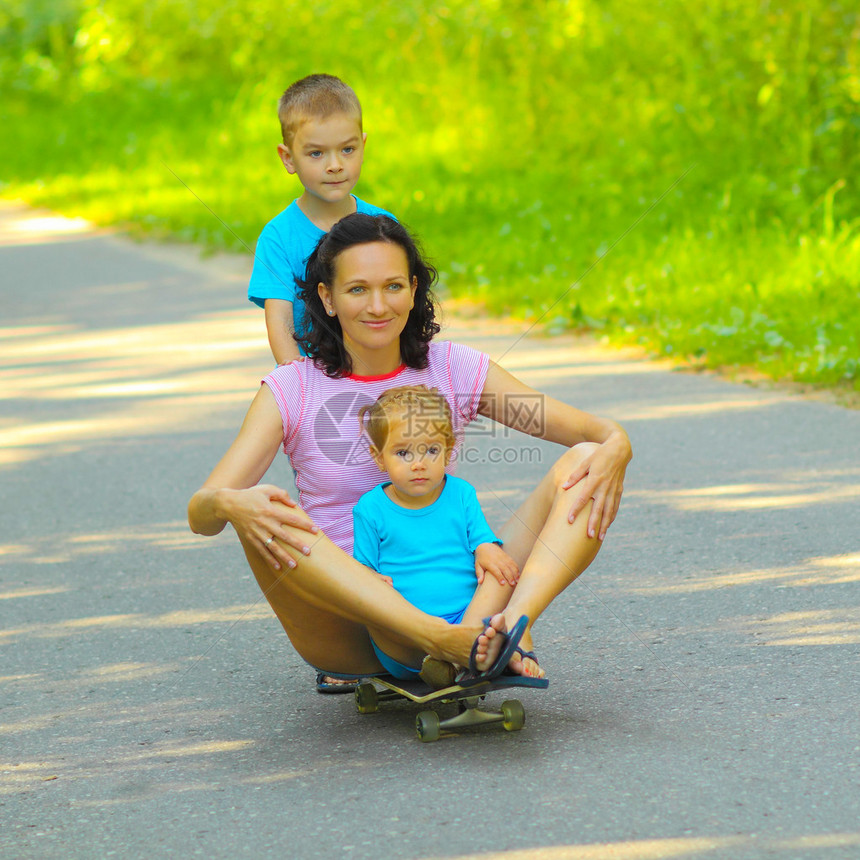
(371, 296)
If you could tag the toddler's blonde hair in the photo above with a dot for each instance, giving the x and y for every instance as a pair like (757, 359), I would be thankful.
(426, 406)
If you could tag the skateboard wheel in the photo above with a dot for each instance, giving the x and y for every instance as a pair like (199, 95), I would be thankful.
(514, 715)
(366, 699)
(427, 726)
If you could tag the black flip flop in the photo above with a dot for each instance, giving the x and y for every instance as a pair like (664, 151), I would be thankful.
(473, 675)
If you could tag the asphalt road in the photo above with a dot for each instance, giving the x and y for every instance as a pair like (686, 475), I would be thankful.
(704, 672)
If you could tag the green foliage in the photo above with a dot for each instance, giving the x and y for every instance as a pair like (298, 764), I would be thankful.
(678, 174)
(36, 43)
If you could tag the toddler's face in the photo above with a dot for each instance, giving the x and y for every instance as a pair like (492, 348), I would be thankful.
(326, 155)
(414, 456)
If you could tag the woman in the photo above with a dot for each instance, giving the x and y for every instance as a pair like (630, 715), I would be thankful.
(369, 294)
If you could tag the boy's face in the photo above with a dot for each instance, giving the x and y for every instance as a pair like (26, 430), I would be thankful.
(326, 155)
(414, 456)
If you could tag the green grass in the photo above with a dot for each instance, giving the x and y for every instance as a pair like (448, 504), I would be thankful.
(693, 192)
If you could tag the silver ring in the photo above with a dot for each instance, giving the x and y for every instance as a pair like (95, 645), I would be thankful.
(270, 540)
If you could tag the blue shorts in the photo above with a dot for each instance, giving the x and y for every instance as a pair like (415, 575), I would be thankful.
(401, 671)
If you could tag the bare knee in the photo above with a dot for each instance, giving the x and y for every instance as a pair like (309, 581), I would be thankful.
(570, 461)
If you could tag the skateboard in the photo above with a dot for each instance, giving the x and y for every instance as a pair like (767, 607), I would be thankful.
(429, 726)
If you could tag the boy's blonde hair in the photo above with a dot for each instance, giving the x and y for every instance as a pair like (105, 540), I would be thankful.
(425, 408)
(315, 97)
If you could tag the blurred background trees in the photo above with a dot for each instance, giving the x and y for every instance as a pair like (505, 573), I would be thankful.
(697, 159)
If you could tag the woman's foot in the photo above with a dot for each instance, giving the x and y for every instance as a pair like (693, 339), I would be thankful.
(328, 684)
(479, 649)
(490, 643)
(530, 666)
(495, 651)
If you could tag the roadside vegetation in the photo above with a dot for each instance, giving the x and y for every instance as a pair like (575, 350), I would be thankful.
(679, 175)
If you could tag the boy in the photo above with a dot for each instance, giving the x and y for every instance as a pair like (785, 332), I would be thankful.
(423, 530)
(323, 144)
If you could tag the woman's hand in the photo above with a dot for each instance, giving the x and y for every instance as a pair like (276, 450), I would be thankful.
(491, 558)
(261, 516)
(600, 477)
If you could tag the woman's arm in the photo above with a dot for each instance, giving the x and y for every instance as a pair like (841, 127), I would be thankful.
(231, 494)
(507, 400)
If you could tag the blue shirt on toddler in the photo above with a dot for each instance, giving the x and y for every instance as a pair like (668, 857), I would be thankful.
(429, 553)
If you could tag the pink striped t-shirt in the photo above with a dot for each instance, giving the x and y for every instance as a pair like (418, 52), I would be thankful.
(323, 439)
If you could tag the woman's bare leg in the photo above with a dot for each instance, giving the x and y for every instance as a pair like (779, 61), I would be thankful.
(347, 599)
(325, 640)
(490, 599)
(550, 551)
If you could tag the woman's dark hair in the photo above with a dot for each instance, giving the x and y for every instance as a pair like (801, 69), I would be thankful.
(323, 338)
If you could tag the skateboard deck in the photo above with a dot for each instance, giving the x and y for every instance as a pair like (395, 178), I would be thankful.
(429, 725)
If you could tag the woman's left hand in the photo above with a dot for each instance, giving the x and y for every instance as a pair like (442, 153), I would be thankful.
(600, 478)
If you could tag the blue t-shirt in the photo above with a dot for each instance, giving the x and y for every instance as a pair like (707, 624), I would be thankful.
(282, 253)
(428, 552)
